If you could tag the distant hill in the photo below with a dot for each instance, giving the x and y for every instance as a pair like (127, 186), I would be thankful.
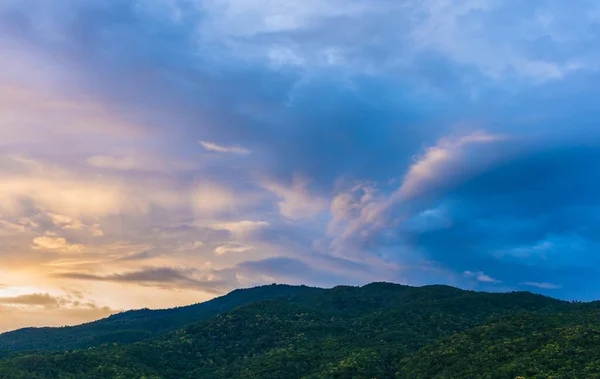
(380, 331)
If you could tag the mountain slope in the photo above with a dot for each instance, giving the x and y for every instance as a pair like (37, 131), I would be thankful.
(563, 345)
(141, 324)
(345, 332)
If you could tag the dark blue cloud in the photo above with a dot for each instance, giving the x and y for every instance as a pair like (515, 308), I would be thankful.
(532, 218)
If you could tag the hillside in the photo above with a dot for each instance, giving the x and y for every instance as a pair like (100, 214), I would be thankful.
(377, 331)
(563, 345)
(138, 325)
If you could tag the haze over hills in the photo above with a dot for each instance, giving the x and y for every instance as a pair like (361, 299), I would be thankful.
(380, 330)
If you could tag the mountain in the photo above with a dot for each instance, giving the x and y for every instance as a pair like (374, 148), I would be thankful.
(380, 330)
(140, 324)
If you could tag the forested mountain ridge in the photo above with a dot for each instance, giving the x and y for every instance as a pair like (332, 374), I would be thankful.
(137, 325)
(380, 330)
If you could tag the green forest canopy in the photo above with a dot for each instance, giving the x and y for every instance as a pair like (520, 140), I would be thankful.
(380, 330)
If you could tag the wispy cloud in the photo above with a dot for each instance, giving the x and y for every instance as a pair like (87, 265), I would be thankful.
(52, 242)
(210, 146)
(142, 255)
(240, 229)
(164, 277)
(231, 248)
(295, 201)
(481, 276)
(543, 285)
(44, 300)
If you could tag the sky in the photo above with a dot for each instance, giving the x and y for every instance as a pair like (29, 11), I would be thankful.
(156, 153)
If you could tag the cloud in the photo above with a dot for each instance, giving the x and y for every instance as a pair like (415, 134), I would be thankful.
(61, 190)
(349, 206)
(449, 162)
(68, 194)
(36, 299)
(60, 194)
(224, 149)
(142, 255)
(17, 227)
(481, 276)
(467, 32)
(439, 164)
(52, 242)
(163, 277)
(542, 285)
(66, 222)
(295, 201)
(518, 220)
(96, 231)
(231, 248)
(458, 31)
(240, 229)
